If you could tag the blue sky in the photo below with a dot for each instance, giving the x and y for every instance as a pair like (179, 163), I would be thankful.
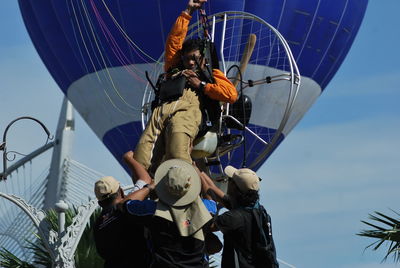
(340, 163)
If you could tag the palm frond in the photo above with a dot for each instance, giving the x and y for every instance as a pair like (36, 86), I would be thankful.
(9, 260)
(85, 255)
(389, 234)
(42, 256)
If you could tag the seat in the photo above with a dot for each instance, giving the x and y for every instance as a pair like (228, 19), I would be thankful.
(219, 140)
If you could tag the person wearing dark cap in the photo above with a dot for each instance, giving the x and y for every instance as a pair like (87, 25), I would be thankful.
(239, 224)
(176, 220)
(119, 240)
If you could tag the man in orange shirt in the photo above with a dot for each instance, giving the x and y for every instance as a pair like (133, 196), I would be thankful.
(174, 124)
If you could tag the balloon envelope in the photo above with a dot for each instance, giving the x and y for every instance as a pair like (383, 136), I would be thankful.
(98, 51)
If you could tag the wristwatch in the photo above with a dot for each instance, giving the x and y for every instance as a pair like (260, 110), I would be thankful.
(148, 186)
(202, 85)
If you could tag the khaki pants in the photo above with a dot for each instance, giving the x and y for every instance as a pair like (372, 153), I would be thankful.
(170, 132)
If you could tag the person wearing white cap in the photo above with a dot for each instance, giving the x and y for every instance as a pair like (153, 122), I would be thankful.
(176, 219)
(239, 224)
(119, 240)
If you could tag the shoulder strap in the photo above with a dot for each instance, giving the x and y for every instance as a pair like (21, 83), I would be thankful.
(264, 222)
(267, 219)
(257, 216)
(151, 82)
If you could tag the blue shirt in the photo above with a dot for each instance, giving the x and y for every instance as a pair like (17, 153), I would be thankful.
(148, 207)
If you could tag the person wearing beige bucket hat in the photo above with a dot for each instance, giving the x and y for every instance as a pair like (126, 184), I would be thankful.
(176, 220)
(241, 223)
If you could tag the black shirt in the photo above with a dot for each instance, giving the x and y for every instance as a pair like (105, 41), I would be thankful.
(236, 225)
(173, 250)
(120, 240)
(170, 249)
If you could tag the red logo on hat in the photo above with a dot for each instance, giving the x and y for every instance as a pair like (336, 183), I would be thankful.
(186, 223)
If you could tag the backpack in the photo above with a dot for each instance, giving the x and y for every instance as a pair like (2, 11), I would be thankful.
(262, 241)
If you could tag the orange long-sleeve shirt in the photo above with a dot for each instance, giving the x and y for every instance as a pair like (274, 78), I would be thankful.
(222, 89)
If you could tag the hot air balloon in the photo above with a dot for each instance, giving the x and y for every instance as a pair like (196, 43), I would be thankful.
(99, 50)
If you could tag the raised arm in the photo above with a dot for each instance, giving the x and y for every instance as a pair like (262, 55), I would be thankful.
(178, 33)
(140, 195)
(194, 5)
(210, 188)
